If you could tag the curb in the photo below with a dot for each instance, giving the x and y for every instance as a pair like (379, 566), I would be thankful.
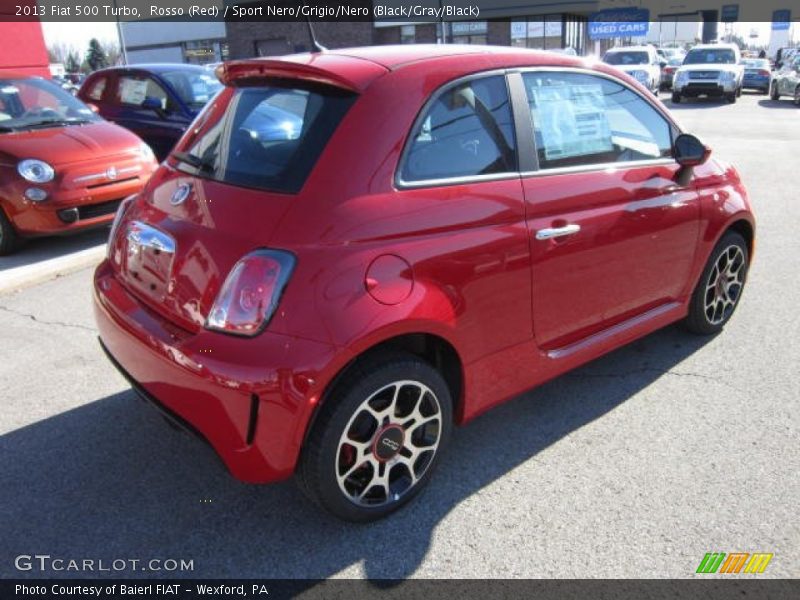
(17, 278)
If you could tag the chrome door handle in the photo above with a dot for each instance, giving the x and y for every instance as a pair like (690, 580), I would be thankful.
(554, 232)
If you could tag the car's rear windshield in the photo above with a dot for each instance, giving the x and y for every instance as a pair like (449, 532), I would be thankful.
(756, 63)
(627, 58)
(269, 138)
(709, 56)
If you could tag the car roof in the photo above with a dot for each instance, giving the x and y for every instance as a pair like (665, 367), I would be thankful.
(631, 48)
(393, 57)
(155, 67)
(714, 46)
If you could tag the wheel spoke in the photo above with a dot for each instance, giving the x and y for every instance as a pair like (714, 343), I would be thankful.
(724, 284)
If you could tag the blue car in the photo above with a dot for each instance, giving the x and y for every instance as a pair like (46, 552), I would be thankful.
(757, 74)
(157, 102)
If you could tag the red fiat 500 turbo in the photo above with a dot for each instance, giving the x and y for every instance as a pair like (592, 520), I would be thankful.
(62, 168)
(447, 227)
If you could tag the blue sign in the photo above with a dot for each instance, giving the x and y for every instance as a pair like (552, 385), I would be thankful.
(730, 13)
(781, 19)
(619, 23)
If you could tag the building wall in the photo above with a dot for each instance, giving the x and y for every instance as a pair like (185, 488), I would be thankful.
(153, 33)
(245, 39)
(24, 50)
(166, 54)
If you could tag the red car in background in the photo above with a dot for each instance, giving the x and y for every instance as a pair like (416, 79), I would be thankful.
(62, 168)
(448, 227)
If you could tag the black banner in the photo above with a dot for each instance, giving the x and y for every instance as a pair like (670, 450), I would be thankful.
(495, 589)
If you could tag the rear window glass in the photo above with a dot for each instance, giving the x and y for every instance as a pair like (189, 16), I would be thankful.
(269, 137)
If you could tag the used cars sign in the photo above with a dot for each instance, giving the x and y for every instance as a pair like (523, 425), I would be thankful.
(619, 22)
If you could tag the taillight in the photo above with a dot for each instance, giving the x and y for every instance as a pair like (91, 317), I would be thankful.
(121, 209)
(764, 73)
(251, 292)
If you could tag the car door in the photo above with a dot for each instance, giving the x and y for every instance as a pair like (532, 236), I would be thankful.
(612, 232)
(791, 77)
(146, 107)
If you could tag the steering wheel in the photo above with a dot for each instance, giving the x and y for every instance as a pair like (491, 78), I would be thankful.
(40, 111)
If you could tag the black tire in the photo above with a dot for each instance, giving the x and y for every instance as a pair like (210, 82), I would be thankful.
(731, 98)
(702, 319)
(774, 95)
(9, 241)
(796, 99)
(374, 379)
(676, 98)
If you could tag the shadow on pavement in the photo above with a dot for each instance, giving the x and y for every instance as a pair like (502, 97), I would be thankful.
(110, 480)
(37, 250)
(784, 102)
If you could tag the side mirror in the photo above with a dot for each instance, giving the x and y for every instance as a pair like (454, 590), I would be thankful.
(690, 151)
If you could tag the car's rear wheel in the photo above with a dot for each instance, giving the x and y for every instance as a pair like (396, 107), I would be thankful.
(8, 237)
(797, 96)
(719, 290)
(731, 98)
(377, 439)
(676, 98)
(774, 94)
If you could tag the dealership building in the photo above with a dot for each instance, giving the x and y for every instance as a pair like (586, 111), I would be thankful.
(537, 24)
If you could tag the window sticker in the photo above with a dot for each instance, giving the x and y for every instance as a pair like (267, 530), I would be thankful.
(572, 120)
(133, 91)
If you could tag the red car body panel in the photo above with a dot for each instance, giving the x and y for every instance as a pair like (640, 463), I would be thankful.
(81, 157)
(376, 261)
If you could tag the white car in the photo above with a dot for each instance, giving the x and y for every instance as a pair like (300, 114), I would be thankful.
(640, 62)
(709, 70)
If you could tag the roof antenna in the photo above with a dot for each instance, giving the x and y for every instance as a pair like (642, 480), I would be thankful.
(315, 45)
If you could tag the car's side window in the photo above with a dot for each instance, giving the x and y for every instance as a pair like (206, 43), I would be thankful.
(582, 119)
(467, 131)
(97, 88)
(133, 90)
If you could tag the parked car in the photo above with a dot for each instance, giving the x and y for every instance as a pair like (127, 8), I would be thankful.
(640, 62)
(62, 168)
(786, 82)
(709, 70)
(668, 72)
(156, 102)
(452, 226)
(757, 74)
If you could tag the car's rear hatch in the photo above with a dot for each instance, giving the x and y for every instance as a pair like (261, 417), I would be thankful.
(225, 188)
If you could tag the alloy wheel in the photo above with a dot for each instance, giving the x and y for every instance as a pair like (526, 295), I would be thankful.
(724, 285)
(389, 443)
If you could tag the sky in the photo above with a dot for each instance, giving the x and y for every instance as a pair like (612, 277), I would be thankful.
(78, 34)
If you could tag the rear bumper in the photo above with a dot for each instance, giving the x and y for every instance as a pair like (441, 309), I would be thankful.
(250, 398)
(756, 83)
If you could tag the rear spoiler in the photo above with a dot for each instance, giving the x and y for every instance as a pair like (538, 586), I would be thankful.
(229, 72)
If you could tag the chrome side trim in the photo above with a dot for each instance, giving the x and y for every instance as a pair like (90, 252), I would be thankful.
(604, 335)
(608, 167)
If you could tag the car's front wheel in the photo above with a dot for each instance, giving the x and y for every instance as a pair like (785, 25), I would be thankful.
(676, 98)
(377, 439)
(720, 287)
(797, 96)
(774, 94)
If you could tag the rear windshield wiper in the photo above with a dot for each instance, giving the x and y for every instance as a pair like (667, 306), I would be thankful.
(194, 161)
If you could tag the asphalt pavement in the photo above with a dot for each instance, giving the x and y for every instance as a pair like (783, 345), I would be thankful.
(635, 465)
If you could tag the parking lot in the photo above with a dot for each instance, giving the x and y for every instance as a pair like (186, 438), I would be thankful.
(633, 466)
